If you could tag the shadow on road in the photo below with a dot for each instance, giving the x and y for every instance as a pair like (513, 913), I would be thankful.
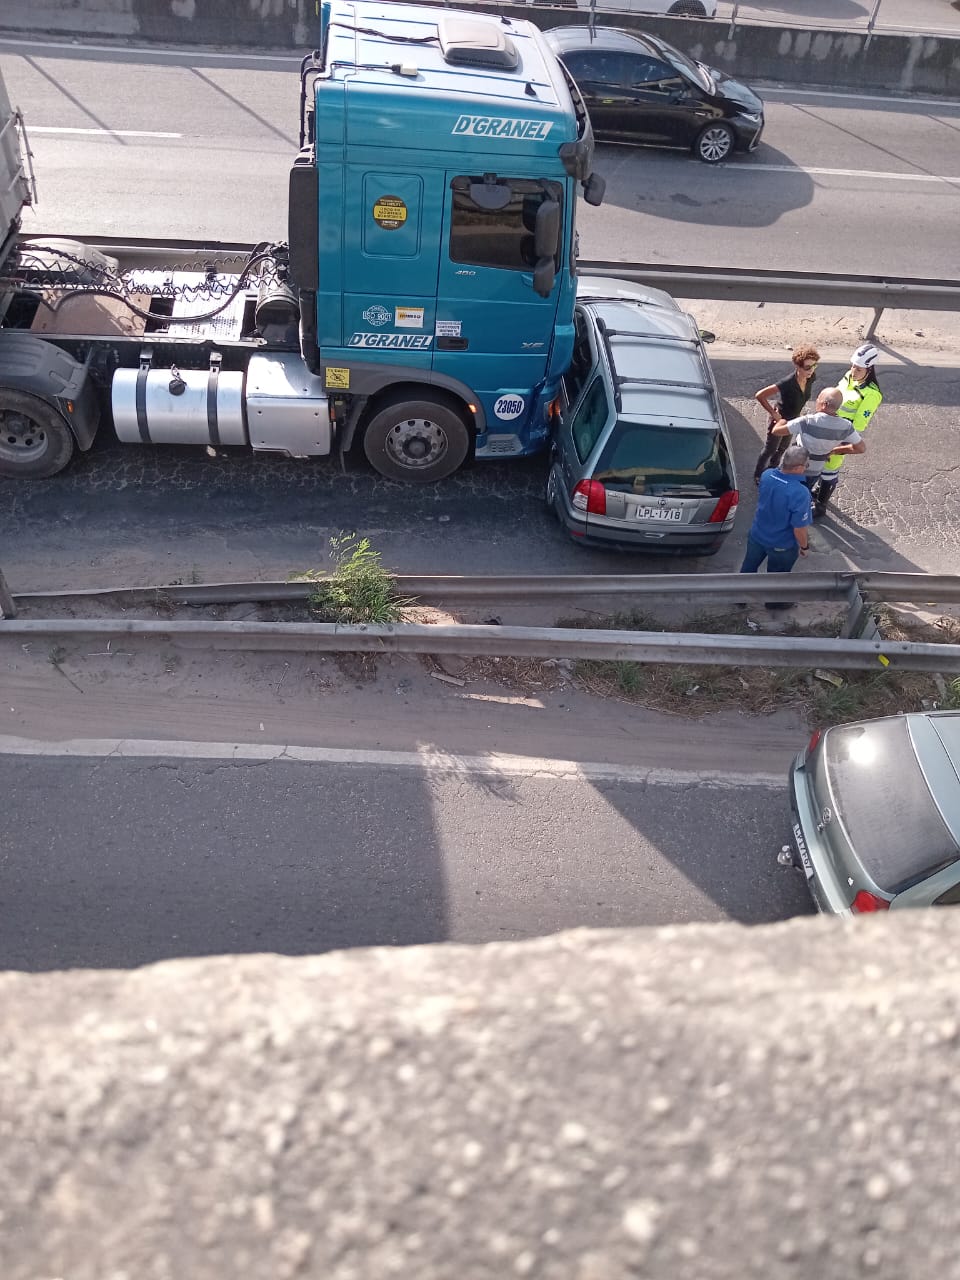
(673, 186)
(130, 862)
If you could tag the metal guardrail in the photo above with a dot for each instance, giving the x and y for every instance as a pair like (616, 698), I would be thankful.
(730, 284)
(860, 646)
(496, 641)
(707, 588)
(710, 588)
(739, 284)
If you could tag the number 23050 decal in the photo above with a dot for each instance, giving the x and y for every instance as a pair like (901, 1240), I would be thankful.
(509, 407)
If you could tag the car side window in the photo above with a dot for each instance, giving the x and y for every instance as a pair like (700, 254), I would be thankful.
(653, 75)
(590, 419)
(581, 363)
(950, 898)
(602, 66)
(585, 66)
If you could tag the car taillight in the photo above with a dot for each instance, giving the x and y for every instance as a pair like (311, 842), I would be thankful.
(590, 495)
(869, 902)
(726, 506)
(814, 739)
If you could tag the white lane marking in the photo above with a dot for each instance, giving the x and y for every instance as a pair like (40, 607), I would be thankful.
(183, 55)
(106, 133)
(745, 168)
(845, 173)
(429, 759)
(946, 104)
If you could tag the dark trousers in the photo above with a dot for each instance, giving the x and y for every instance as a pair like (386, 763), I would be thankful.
(779, 559)
(773, 451)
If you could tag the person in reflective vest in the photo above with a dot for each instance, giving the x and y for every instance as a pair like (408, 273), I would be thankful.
(861, 400)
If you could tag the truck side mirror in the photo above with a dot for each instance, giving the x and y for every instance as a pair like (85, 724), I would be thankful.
(544, 275)
(547, 230)
(594, 189)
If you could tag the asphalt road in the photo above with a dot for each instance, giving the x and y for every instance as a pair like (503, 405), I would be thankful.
(174, 144)
(167, 513)
(126, 514)
(116, 863)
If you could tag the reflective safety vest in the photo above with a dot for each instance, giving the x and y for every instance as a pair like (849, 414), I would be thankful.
(859, 406)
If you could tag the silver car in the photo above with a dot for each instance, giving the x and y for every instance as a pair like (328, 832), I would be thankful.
(876, 814)
(641, 457)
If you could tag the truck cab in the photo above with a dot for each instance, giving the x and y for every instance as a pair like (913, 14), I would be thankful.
(432, 231)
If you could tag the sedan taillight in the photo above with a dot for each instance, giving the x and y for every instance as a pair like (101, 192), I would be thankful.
(590, 496)
(865, 902)
(726, 507)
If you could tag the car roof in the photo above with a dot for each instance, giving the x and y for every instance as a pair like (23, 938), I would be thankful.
(644, 339)
(565, 39)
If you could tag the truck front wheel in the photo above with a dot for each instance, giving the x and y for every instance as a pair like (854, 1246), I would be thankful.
(417, 440)
(35, 441)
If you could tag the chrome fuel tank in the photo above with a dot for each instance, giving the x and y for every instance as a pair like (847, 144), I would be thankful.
(179, 406)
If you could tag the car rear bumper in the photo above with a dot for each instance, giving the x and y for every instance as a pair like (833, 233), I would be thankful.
(691, 542)
(809, 856)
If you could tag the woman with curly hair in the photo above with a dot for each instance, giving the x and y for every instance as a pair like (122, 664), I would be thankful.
(783, 401)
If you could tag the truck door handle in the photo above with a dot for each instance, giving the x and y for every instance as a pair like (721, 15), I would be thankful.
(453, 344)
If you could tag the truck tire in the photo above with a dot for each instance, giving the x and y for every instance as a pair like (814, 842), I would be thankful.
(35, 441)
(418, 440)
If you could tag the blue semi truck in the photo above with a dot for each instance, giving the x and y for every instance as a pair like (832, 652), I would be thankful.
(422, 309)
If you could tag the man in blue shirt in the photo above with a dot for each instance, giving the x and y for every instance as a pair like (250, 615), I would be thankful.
(779, 530)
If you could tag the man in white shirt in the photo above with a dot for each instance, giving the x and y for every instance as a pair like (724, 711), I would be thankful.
(822, 434)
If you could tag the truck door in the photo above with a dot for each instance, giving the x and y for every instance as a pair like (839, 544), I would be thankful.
(391, 236)
(492, 327)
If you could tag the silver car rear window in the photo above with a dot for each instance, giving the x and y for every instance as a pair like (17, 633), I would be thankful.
(883, 800)
(640, 458)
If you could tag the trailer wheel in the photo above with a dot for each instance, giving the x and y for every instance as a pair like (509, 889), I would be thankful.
(35, 441)
(416, 440)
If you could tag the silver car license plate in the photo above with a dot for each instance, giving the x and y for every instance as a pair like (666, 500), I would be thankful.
(659, 513)
(802, 850)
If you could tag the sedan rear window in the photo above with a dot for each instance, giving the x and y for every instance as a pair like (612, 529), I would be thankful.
(881, 796)
(641, 458)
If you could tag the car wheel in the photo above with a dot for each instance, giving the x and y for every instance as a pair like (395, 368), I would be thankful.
(687, 9)
(550, 494)
(714, 143)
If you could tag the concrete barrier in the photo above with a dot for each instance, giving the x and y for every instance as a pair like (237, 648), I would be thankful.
(835, 59)
(698, 1103)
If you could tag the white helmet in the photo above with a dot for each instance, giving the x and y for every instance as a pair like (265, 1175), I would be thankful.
(865, 356)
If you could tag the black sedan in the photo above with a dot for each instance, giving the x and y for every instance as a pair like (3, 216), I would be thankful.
(638, 88)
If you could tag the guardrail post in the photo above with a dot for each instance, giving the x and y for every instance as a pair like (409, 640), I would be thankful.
(859, 623)
(7, 608)
(872, 326)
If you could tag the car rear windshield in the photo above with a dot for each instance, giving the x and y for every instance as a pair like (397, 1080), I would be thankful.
(882, 798)
(639, 458)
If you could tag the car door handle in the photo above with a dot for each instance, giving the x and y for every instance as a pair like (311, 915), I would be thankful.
(453, 344)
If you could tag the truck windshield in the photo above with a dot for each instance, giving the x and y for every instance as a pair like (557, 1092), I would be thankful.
(504, 237)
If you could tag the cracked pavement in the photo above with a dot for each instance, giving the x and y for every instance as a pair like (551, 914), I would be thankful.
(129, 515)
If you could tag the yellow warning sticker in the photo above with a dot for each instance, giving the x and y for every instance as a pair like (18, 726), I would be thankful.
(337, 379)
(389, 212)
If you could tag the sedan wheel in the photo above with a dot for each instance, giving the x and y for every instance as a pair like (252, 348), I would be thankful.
(687, 9)
(714, 143)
